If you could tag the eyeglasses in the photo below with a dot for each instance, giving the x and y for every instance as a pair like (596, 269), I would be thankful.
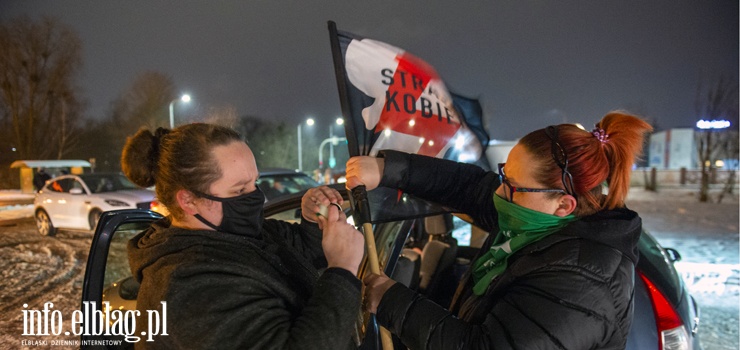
(561, 159)
(509, 189)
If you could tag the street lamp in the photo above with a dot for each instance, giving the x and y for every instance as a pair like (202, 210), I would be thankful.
(339, 122)
(309, 122)
(184, 98)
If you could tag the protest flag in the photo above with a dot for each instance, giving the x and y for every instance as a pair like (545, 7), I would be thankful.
(392, 99)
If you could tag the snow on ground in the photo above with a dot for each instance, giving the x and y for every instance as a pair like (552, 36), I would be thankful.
(10, 195)
(10, 209)
(706, 236)
(13, 212)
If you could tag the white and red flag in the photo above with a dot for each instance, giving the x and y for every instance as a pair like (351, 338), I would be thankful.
(392, 99)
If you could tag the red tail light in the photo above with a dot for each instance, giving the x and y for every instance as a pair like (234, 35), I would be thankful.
(673, 335)
(158, 207)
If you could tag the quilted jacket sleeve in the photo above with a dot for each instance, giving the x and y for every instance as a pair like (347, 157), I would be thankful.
(465, 187)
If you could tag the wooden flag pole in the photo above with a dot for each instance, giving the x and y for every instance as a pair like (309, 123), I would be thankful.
(362, 212)
(372, 256)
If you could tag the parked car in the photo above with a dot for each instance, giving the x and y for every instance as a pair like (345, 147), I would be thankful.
(76, 201)
(276, 182)
(427, 253)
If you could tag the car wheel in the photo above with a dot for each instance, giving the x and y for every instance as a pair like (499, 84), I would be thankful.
(43, 223)
(93, 218)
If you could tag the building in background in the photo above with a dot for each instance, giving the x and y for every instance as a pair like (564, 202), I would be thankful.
(673, 149)
(497, 151)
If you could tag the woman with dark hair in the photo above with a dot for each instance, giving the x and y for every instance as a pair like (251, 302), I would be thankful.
(557, 272)
(230, 278)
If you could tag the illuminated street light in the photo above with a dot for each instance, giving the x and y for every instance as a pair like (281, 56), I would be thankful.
(712, 124)
(309, 122)
(184, 98)
(332, 160)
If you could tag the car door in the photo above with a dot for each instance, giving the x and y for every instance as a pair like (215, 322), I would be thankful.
(57, 201)
(108, 276)
(77, 205)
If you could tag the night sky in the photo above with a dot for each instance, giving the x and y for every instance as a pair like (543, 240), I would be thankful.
(531, 63)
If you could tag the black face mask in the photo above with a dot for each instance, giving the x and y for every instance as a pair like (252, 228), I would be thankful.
(242, 214)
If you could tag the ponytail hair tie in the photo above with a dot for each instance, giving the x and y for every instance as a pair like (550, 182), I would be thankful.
(600, 134)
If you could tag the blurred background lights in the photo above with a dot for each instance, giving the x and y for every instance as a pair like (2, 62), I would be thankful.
(713, 124)
(459, 142)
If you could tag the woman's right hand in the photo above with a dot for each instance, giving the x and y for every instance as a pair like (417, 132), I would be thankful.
(364, 170)
(343, 245)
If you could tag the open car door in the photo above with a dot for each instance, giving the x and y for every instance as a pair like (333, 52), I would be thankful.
(108, 277)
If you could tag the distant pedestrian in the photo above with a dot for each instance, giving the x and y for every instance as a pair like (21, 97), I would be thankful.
(40, 178)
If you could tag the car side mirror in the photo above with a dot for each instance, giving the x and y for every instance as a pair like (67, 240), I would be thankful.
(75, 191)
(673, 255)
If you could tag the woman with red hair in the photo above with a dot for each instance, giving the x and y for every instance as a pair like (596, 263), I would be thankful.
(557, 270)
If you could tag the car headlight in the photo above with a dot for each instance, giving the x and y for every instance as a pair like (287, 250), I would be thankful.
(116, 203)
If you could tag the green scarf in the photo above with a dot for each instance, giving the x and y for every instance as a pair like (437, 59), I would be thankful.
(519, 226)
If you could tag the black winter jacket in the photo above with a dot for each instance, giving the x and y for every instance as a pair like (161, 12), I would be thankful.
(250, 291)
(570, 290)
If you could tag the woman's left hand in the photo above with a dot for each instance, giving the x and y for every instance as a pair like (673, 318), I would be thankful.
(314, 198)
(375, 288)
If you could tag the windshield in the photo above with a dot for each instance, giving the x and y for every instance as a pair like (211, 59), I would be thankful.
(100, 183)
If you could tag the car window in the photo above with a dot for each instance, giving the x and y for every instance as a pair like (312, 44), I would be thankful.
(462, 231)
(78, 185)
(467, 234)
(61, 185)
(116, 266)
(98, 183)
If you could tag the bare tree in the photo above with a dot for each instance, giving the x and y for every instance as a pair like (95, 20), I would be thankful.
(223, 115)
(144, 104)
(718, 102)
(40, 110)
(728, 145)
(273, 143)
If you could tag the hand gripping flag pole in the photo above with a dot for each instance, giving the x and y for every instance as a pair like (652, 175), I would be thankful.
(361, 205)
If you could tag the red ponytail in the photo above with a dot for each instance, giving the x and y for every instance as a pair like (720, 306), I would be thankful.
(604, 155)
